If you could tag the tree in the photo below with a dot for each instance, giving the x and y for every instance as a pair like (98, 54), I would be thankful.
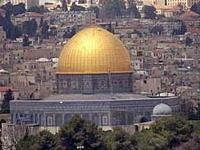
(79, 132)
(188, 41)
(175, 129)
(64, 5)
(8, 7)
(38, 9)
(26, 41)
(133, 11)
(45, 30)
(114, 8)
(47, 141)
(8, 96)
(192, 144)
(149, 12)
(30, 27)
(27, 143)
(69, 33)
(118, 139)
(12, 32)
(19, 9)
(196, 8)
(181, 30)
(2, 121)
(95, 9)
(158, 29)
(42, 141)
(148, 140)
(75, 7)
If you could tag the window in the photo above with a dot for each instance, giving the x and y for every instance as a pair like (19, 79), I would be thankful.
(105, 120)
(49, 121)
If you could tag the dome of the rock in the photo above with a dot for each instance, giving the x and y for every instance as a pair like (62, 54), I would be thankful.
(94, 50)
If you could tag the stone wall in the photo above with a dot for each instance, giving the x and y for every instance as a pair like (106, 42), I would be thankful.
(102, 113)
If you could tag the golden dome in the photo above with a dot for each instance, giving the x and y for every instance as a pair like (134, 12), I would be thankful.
(94, 51)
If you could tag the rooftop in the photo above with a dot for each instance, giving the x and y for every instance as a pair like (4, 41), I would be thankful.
(95, 97)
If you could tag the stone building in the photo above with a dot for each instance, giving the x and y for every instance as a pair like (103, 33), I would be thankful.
(28, 3)
(94, 80)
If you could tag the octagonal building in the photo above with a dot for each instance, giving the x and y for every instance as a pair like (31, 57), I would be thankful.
(94, 61)
(94, 80)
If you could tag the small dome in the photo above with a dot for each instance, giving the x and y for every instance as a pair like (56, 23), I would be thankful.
(162, 109)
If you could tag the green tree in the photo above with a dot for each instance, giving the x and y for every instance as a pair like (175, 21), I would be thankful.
(8, 7)
(43, 141)
(45, 29)
(118, 139)
(158, 29)
(196, 8)
(181, 30)
(38, 9)
(8, 96)
(64, 5)
(148, 140)
(95, 9)
(133, 11)
(70, 32)
(175, 129)
(114, 8)
(75, 7)
(26, 41)
(19, 9)
(192, 144)
(27, 143)
(79, 132)
(30, 27)
(47, 141)
(188, 41)
(12, 32)
(149, 12)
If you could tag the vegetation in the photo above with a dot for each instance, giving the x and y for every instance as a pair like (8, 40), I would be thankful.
(114, 8)
(149, 12)
(158, 29)
(77, 132)
(194, 114)
(38, 9)
(30, 27)
(168, 133)
(12, 32)
(180, 31)
(19, 9)
(196, 8)
(75, 7)
(95, 10)
(14, 9)
(133, 11)
(43, 141)
(64, 5)
(188, 41)
(69, 33)
(8, 96)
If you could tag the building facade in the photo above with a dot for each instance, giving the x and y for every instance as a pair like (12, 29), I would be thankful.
(94, 80)
(184, 3)
(101, 109)
(28, 3)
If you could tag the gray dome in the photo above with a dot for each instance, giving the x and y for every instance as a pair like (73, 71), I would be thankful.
(162, 109)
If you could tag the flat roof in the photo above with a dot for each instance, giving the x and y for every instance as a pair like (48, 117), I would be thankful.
(95, 97)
